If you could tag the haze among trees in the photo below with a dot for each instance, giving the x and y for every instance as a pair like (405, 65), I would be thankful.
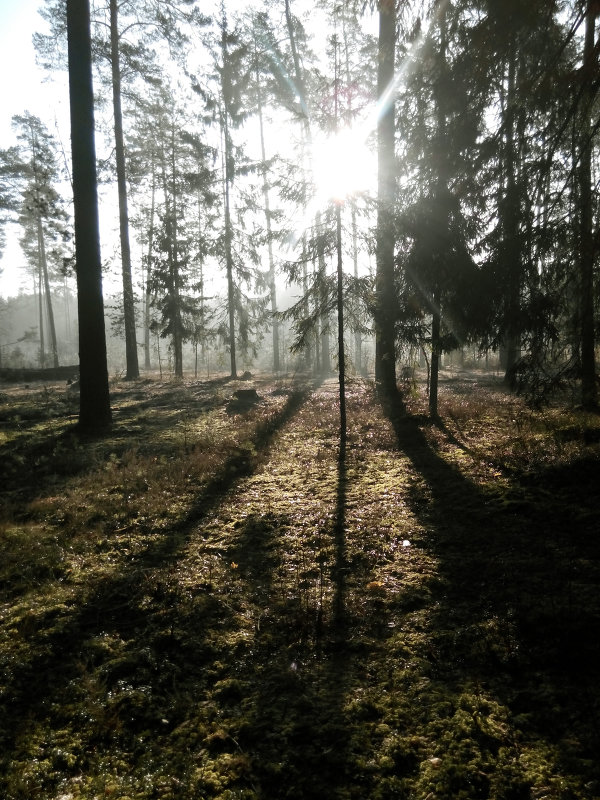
(317, 514)
(474, 231)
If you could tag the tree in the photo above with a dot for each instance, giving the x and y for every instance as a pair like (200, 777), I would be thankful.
(587, 248)
(264, 168)
(8, 190)
(152, 19)
(173, 243)
(94, 408)
(385, 292)
(41, 214)
(128, 296)
(234, 70)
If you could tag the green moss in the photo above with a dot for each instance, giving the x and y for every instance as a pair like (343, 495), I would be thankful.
(209, 606)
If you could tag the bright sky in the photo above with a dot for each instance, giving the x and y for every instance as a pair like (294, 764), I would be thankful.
(23, 89)
(26, 87)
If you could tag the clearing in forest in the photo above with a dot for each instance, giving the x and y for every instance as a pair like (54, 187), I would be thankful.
(209, 603)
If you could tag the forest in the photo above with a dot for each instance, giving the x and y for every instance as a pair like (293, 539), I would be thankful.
(299, 422)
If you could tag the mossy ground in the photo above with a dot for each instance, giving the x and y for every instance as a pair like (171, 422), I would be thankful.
(208, 603)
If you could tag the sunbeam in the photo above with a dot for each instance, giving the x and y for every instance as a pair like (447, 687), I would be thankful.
(343, 164)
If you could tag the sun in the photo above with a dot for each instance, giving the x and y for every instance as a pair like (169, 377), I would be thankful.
(343, 166)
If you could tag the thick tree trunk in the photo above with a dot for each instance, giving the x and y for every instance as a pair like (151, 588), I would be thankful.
(385, 345)
(128, 298)
(94, 404)
(589, 389)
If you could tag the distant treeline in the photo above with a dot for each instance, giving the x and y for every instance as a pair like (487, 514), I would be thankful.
(11, 375)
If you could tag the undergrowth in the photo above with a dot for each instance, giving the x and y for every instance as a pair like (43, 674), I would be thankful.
(207, 603)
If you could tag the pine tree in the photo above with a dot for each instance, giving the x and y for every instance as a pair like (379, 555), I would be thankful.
(41, 215)
(586, 250)
(131, 357)
(94, 409)
(385, 292)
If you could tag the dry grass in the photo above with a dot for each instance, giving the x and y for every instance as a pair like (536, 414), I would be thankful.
(208, 603)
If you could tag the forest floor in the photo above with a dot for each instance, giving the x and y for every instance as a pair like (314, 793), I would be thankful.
(208, 602)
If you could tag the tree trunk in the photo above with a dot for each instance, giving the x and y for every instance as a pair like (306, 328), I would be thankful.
(351, 201)
(436, 323)
(200, 281)
(128, 298)
(322, 360)
(313, 340)
(509, 216)
(297, 69)
(340, 317)
(265, 188)
(40, 312)
(44, 275)
(357, 334)
(340, 293)
(229, 252)
(94, 403)
(325, 357)
(589, 389)
(385, 345)
(148, 284)
(441, 189)
(175, 277)
(227, 180)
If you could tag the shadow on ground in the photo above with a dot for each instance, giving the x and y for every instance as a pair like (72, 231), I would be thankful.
(517, 619)
(135, 642)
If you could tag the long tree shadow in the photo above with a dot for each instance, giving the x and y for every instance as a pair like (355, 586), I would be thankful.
(517, 606)
(47, 458)
(298, 673)
(122, 606)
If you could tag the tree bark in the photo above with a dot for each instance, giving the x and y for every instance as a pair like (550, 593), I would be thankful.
(340, 319)
(227, 180)
(174, 265)
(441, 190)
(40, 303)
(44, 275)
(94, 403)
(229, 255)
(128, 297)
(589, 389)
(511, 251)
(265, 188)
(324, 317)
(351, 201)
(385, 345)
(148, 282)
